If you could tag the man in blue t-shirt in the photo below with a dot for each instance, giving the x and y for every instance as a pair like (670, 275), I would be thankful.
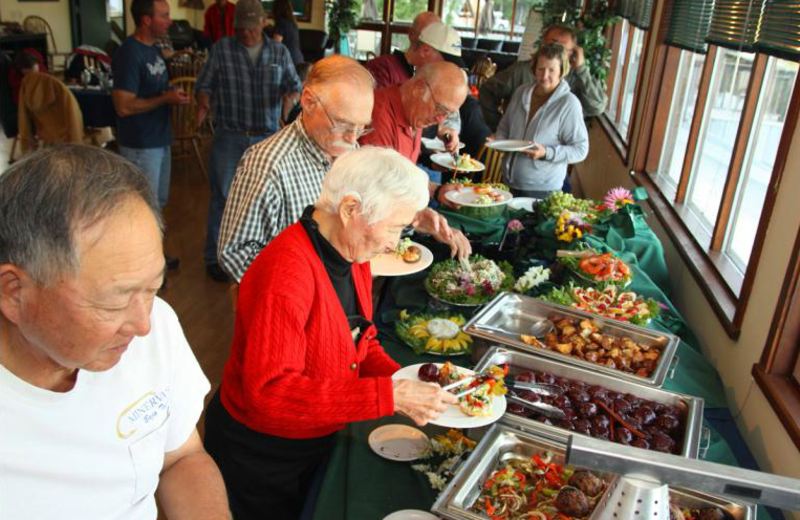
(142, 96)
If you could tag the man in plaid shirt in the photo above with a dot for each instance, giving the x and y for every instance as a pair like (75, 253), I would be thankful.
(279, 177)
(248, 79)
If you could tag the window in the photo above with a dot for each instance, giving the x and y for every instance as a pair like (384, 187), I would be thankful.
(681, 114)
(627, 46)
(715, 139)
(494, 19)
(778, 372)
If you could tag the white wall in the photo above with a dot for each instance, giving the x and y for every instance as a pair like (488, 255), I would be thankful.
(759, 425)
(56, 14)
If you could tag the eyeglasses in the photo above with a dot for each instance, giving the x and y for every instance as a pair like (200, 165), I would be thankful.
(441, 110)
(338, 127)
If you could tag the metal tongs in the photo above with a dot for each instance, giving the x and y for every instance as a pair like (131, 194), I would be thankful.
(539, 389)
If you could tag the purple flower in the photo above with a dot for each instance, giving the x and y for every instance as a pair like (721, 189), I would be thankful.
(487, 287)
(617, 197)
(515, 226)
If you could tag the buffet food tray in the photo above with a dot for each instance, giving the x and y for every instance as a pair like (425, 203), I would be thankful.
(515, 314)
(692, 406)
(503, 441)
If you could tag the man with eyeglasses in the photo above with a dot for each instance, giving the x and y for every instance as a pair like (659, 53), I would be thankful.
(279, 177)
(247, 79)
(402, 112)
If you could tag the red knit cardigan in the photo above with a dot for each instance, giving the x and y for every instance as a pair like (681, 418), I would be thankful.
(294, 370)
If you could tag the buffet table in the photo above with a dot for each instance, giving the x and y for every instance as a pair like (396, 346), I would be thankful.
(358, 484)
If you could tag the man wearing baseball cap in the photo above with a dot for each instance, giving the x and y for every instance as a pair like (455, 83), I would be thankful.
(431, 41)
(247, 80)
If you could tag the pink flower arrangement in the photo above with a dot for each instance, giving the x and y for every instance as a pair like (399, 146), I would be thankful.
(515, 226)
(616, 198)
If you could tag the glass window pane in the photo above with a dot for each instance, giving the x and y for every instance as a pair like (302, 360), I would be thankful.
(773, 104)
(460, 14)
(399, 42)
(363, 42)
(406, 10)
(523, 10)
(718, 133)
(684, 99)
(369, 10)
(616, 87)
(630, 81)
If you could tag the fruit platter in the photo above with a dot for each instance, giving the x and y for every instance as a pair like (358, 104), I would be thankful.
(438, 334)
(453, 283)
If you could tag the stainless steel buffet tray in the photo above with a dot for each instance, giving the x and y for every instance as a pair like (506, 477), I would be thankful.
(515, 313)
(692, 406)
(502, 442)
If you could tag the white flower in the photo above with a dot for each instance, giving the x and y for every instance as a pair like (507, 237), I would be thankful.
(533, 277)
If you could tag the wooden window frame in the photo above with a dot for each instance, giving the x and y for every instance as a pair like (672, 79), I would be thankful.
(621, 143)
(721, 282)
(774, 372)
(388, 27)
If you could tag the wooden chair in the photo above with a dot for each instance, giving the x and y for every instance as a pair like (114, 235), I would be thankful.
(37, 24)
(493, 161)
(184, 125)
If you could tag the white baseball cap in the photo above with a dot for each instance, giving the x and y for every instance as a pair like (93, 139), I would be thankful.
(444, 39)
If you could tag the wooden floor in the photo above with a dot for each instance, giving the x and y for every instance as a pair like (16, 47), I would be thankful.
(203, 305)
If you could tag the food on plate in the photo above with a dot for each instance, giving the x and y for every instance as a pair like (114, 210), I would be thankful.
(486, 386)
(536, 488)
(584, 340)
(600, 268)
(609, 302)
(605, 414)
(412, 254)
(402, 246)
(451, 282)
(465, 162)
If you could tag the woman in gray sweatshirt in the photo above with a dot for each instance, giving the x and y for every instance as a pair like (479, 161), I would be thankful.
(546, 113)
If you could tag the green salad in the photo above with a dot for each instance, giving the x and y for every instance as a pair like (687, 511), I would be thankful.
(450, 282)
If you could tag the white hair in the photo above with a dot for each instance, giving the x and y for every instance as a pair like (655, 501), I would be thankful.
(380, 178)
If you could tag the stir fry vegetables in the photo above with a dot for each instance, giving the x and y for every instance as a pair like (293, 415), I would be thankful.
(536, 488)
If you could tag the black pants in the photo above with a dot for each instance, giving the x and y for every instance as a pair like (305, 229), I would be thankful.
(266, 477)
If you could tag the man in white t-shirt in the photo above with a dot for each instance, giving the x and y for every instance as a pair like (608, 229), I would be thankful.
(99, 391)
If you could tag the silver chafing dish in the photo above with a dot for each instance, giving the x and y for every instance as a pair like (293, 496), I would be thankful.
(503, 442)
(515, 314)
(517, 361)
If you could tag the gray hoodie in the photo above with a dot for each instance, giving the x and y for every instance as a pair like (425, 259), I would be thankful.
(558, 126)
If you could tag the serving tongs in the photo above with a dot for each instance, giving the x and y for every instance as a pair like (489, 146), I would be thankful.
(545, 409)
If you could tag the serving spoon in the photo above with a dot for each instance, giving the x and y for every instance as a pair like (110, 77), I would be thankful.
(538, 328)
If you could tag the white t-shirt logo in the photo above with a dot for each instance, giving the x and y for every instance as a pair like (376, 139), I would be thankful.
(157, 68)
(149, 411)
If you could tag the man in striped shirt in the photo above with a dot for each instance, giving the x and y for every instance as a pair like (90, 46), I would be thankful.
(248, 79)
(279, 177)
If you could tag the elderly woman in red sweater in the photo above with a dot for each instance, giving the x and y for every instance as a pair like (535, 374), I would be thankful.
(305, 359)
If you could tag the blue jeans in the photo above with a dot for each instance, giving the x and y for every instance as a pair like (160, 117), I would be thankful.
(226, 150)
(155, 163)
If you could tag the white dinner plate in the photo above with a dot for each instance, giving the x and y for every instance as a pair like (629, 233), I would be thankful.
(411, 514)
(389, 264)
(437, 145)
(398, 442)
(453, 417)
(466, 196)
(509, 145)
(446, 160)
(525, 203)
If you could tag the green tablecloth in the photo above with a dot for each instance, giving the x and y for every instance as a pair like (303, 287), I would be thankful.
(360, 485)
